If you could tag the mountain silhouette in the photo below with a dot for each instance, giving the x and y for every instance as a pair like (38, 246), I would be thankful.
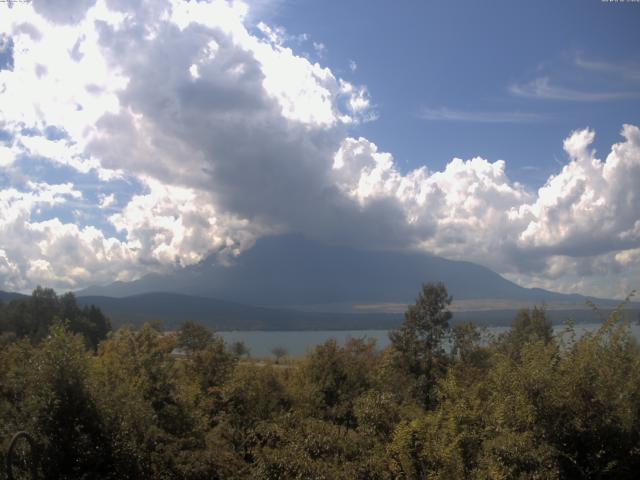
(293, 271)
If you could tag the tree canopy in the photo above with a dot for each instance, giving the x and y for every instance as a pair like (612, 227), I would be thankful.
(437, 403)
(32, 317)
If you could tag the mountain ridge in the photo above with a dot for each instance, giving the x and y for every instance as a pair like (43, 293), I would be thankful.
(172, 310)
(290, 270)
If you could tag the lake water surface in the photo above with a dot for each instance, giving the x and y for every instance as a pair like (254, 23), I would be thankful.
(298, 343)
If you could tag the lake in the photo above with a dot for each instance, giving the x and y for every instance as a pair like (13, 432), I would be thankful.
(298, 343)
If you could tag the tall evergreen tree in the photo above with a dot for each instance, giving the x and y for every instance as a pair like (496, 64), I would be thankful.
(418, 341)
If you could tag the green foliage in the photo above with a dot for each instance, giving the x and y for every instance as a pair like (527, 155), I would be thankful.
(528, 326)
(45, 392)
(211, 365)
(417, 343)
(33, 316)
(377, 413)
(151, 408)
(308, 448)
(426, 447)
(194, 337)
(525, 406)
(330, 379)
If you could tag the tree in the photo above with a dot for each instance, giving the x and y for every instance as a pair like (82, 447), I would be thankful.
(97, 325)
(418, 342)
(194, 337)
(151, 408)
(64, 417)
(33, 316)
(212, 365)
(240, 349)
(332, 377)
(528, 326)
(251, 395)
(279, 352)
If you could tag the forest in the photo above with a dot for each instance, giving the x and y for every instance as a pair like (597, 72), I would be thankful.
(440, 402)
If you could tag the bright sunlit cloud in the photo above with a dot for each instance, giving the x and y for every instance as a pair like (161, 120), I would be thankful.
(144, 136)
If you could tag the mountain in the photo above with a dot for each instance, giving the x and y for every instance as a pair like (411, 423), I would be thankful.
(293, 271)
(6, 297)
(173, 309)
(292, 283)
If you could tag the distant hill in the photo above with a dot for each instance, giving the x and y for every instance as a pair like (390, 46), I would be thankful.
(6, 297)
(173, 309)
(292, 271)
(292, 283)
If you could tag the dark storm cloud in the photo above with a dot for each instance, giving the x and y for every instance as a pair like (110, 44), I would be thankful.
(221, 132)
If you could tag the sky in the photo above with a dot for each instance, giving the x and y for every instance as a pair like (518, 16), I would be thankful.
(144, 136)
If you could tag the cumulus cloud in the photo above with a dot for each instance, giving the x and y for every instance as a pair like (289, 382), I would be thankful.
(63, 152)
(178, 226)
(257, 127)
(7, 155)
(50, 252)
(164, 227)
(581, 226)
(233, 135)
(591, 206)
(461, 212)
(63, 11)
(107, 201)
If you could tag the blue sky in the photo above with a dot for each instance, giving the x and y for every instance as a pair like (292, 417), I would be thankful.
(146, 135)
(464, 56)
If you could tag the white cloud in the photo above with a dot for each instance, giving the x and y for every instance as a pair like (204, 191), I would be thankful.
(581, 227)
(107, 201)
(320, 49)
(447, 114)
(358, 103)
(275, 35)
(543, 88)
(49, 87)
(63, 11)
(10, 272)
(591, 206)
(626, 71)
(64, 152)
(464, 211)
(235, 135)
(164, 228)
(51, 252)
(171, 225)
(7, 155)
